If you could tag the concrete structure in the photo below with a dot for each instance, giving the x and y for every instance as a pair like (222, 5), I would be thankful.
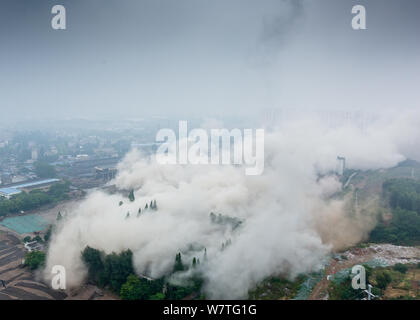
(81, 157)
(369, 293)
(105, 174)
(33, 246)
(341, 165)
(6, 178)
(34, 154)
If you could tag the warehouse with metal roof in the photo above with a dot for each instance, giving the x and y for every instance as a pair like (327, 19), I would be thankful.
(12, 190)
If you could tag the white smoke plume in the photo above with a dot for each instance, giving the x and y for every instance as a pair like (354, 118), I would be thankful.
(289, 222)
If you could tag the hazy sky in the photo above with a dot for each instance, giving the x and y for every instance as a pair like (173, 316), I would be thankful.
(201, 57)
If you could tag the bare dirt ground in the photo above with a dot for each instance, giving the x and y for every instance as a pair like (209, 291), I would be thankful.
(386, 253)
(20, 282)
(408, 287)
(90, 292)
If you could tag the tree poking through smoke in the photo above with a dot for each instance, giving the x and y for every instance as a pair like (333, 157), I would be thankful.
(289, 218)
(131, 195)
(108, 270)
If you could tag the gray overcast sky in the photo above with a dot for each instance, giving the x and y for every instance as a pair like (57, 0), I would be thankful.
(201, 57)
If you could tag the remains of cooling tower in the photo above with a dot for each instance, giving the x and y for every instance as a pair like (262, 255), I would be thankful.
(341, 166)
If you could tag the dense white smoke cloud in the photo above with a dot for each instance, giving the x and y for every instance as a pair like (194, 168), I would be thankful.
(289, 222)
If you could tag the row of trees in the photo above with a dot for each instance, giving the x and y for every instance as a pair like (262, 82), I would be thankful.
(403, 197)
(403, 193)
(23, 202)
(152, 205)
(136, 288)
(34, 199)
(403, 229)
(225, 220)
(108, 270)
(116, 272)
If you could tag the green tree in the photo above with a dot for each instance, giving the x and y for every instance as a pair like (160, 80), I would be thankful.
(34, 199)
(157, 296)
(48, 234)
(403, 196)
(38, 239)
(401, 268)
(35, 259)
(44, 170)
(383, 279)
(117, 267)
(178, 263)
(58, 191)
(136, 288)
(131, 290)
(131, 195)
(93, 259)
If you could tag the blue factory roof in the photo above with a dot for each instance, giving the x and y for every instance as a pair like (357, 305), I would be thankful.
(35, 183)
(9, 191)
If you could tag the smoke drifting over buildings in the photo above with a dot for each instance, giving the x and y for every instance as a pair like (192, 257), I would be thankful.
(289, 222)
(219, 59)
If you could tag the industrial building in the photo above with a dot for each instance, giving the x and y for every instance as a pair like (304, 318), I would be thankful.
(5, 178)
(11, 190)
(105, 173)
(33, 246)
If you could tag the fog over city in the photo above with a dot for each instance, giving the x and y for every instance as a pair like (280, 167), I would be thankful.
(336, 104)
(137, 58)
